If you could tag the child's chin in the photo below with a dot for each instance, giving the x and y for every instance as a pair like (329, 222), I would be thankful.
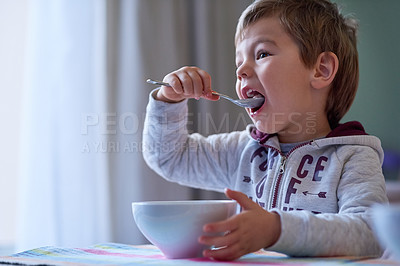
(263, 128)
(260, 126)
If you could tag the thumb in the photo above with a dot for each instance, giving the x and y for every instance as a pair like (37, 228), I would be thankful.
(210, 96)
(241, 198)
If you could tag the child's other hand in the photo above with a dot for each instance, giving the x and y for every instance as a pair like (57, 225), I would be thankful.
(186, 82)
(252, 229)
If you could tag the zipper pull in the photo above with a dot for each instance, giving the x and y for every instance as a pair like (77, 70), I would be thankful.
(283, 164)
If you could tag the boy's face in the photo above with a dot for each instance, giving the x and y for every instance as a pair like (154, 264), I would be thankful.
(268, 62)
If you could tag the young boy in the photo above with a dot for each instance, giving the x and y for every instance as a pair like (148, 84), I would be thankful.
(305, 183)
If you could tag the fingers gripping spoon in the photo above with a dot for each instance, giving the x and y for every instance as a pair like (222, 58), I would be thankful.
(245, 103)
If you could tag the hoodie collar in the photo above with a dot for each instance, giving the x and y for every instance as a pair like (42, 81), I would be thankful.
(352, 128)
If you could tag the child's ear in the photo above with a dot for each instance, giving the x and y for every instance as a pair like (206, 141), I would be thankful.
(325, 70)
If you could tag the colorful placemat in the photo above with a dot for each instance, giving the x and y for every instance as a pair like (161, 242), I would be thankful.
(121, 254)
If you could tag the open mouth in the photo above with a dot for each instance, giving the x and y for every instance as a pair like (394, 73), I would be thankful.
(249, 93)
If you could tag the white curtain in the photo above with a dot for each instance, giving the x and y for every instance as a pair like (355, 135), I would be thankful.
(84, 103)
(64, 190)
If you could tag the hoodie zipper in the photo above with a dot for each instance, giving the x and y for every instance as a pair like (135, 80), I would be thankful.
(282, 166)
(278, 181)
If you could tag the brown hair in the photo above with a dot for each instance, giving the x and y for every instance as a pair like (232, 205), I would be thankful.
(316, 26)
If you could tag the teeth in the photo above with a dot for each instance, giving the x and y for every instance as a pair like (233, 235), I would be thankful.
(253, 94)
(250, 93)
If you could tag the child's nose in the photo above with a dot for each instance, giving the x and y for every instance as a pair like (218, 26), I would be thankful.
(243, 71)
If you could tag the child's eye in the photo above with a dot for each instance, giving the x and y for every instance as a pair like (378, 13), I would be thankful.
(262, 54)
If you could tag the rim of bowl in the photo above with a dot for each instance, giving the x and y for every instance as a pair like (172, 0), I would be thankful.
(182, 202)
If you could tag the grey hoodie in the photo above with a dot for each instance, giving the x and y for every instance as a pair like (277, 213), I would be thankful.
(322, 189)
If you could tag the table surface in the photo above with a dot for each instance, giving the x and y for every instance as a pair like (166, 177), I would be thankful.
(121, 254)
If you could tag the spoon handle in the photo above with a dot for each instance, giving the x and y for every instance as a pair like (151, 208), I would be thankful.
(245, 103)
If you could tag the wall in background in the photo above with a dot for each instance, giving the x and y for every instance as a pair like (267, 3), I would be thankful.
(12, 45)
(377, 101)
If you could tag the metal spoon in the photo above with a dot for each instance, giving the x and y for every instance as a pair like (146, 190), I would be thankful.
(245, 103)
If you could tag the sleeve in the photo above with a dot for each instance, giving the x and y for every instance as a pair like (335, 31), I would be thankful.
(188, 159)
(348, 232)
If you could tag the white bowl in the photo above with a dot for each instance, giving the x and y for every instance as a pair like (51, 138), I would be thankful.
(175, 226)
(386, 220)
